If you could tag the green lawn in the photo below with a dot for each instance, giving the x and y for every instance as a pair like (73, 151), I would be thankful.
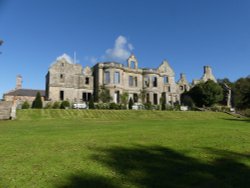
(84, 148)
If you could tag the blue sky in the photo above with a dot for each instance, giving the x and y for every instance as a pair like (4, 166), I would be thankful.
(188, 33)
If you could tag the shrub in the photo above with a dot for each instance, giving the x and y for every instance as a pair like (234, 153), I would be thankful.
(102, 106)
(91, 103)
(65, 104)
(37, 103)
(115, 106)
(148, 106)
(56, 105)
(49, 105)
(130, 103)
(25, 105)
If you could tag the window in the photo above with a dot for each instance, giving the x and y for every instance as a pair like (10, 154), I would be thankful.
(86, 97)
(62, 64)
(146, 81)
(61, 78)
(87, 80)
(61, 95)
(135, 81)
(155, 99)
(169, 89)
(154, 81)
(132, 64)
(106, 77)
(117, 78)
(130, 81)
(181, 88)
(148, 97)
(165, 80)
(135, 97)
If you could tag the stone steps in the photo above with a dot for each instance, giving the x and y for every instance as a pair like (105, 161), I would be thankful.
(5, 110)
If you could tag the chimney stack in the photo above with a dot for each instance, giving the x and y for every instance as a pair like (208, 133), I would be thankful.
(19, 81)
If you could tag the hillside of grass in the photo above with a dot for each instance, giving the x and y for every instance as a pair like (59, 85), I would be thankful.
(45, 114)
(120, 149)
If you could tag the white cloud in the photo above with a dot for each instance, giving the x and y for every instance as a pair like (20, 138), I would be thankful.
(121, 50)
(66, 57)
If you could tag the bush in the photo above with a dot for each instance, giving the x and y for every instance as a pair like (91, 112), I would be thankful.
(102, 106)
(148, 106)
(65, 104)
(130, 103)
(115, 106)
(91, 103)
(56, 105)
(37, 103)
(49, 105)
(25, 105)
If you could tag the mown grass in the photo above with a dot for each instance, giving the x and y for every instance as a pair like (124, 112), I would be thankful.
(88, 148)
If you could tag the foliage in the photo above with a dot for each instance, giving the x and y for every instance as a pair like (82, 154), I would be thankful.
(186, 100)
(104, 95)
(48, 105)
(114, 106)
(37, 103)
(102, 106)
(91, 103)
(65, 104)
(148, 106)
(163, 103)
(206, 94)
(241, 92)
(56, 105)
(124, 99)
(26, 105)
(142, 95)
(130, 103)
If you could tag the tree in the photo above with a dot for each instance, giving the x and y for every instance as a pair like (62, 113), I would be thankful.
(130, 103)
(65, 104)
(241, 93)
(124, 99)
(37, 103)
(206, 94)
(163, 103)
(104, 95)
(142, 95)
(91, 103)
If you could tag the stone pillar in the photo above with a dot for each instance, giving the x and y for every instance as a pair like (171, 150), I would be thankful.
(19, 81)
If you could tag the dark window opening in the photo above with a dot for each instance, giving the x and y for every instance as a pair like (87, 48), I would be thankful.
(163, 97)
(155, 99)
(181, 88)
(117, 96)
(135, 97)
(87, 80)
(148, 98)
(154, 81)
(169, 89)
(135, 81)
(166, 80)
(130, 80)
(86, 97)
(61, 95)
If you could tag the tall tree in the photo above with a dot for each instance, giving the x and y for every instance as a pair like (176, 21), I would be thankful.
(104, 95)
(37, 103)
(241, 92)
(206, 94)
(124, 98)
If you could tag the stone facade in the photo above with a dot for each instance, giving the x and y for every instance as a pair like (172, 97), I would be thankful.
(207, 75)
(155, 83)
(66, 80)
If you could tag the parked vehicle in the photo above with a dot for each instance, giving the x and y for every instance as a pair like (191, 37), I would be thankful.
(80, 106)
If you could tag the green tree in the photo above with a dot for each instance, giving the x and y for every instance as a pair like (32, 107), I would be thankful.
(142, 95)
(163, 103)
(206, 94)
(37, 103)
(130, 103)
(124, 99)
(241, 93)
(104, 95)
(65, 104)
(91, 103)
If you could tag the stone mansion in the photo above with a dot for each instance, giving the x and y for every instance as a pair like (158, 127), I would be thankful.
(69, 81)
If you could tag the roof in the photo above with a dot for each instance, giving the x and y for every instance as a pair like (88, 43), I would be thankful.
(26, 92)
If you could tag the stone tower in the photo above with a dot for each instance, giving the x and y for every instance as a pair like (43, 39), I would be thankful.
(19, 81)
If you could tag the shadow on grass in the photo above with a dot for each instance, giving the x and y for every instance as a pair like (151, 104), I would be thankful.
(161, 167)
(247, 120)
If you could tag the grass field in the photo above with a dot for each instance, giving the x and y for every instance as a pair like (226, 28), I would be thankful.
(79, 148)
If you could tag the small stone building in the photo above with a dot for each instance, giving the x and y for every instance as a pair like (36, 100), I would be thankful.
(20, 95)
